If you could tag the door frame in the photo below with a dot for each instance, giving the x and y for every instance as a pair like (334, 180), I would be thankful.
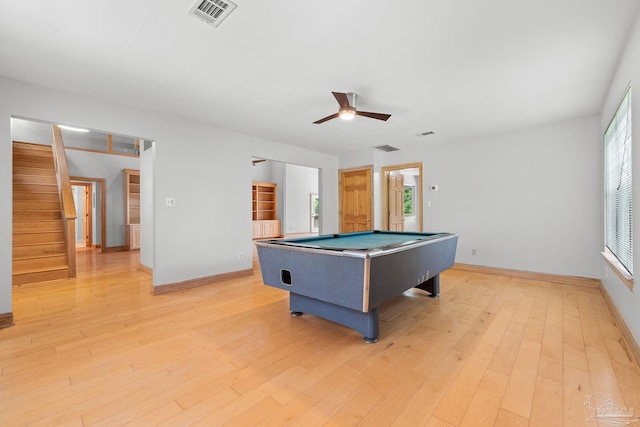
(341, 172)
(87, 199)
(384, 175)
(102, 198)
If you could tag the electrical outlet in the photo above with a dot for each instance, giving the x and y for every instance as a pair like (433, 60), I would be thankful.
(170, 201)
(474, 252)
(240, 256)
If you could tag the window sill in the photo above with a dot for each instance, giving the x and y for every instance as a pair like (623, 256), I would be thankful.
(617, 268)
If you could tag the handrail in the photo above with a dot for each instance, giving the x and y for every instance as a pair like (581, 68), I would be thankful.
(66, 198)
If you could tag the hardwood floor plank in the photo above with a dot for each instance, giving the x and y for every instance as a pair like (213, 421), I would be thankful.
(492, 350)
(576, 389)
(485, 404)
(519, 393)
(547, 407)
(455, 402)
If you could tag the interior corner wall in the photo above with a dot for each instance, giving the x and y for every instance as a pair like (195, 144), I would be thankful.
(626, 300)
(526, 200)
(147, 219)
(261, 172)
(6, 205)
(279, 177)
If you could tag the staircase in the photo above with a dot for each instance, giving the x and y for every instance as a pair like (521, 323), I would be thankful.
(39, 248)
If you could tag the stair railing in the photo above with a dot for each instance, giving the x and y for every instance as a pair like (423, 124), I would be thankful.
(66, 198)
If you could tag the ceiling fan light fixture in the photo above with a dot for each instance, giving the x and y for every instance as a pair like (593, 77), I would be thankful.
(347, 113)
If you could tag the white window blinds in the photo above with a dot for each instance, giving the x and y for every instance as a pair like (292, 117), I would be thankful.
(617, 177)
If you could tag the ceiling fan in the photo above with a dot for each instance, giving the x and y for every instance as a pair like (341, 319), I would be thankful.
(348, 111)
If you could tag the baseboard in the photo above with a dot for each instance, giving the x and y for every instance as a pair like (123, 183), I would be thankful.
(630, 343)
(145, 269)
(202, 281)
(108, 249)
(6, 320)
(554, 278)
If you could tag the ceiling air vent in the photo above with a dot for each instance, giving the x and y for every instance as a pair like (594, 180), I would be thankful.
(212, 11)
(387, 148)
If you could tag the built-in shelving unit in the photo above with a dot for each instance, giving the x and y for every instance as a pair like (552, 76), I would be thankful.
(264, 213)
(131, 178)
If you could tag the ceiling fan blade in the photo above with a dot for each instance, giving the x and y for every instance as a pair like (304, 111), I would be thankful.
(378, 116)
(333, 116)
(342, 99)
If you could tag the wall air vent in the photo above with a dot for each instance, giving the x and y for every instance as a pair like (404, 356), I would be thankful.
(212, 12)
(386, 148)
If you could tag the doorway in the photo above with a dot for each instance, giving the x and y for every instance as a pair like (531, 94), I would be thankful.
(402, 197)
(315, 213)
(94, 211)
(83, 198)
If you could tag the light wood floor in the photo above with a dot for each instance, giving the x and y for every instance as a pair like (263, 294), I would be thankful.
(492, 350)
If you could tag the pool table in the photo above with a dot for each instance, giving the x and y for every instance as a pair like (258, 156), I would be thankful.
(344, 278)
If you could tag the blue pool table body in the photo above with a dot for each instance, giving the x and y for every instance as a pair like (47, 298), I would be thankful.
(346, 277)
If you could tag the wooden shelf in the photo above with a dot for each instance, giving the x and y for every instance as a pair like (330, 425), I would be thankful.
(264, 210)
(131, 178)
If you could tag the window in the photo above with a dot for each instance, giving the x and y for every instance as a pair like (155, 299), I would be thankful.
(409, 197)
(617, 182)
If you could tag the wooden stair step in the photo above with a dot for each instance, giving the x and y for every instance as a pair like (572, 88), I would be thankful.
(37, 238)
(36, 215)
(39, 263)
(35, 205)
(36, 196)
(34, 171)
(34, 156)
(33, 179)
(34, 250)
(35, 188)
(34, 276)
(40, 162)
(37, 226)
(33, 149)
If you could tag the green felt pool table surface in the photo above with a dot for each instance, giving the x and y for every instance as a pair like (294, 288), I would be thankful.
(366, 240)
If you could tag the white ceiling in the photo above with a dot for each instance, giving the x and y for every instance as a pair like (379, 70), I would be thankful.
(456, 67)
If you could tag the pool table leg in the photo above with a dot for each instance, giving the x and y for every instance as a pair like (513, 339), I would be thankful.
(431, 285)
(365, 323)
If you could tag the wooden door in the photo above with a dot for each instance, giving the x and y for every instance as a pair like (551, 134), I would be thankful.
(85, 218)
(396, 202)
(355, 200)
(88, 217)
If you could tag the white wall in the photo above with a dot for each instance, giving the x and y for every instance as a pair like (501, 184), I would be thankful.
(627, 301)
(261, 172)
(6, 205)
(147, 218)
(206, 169)
(526, 200)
